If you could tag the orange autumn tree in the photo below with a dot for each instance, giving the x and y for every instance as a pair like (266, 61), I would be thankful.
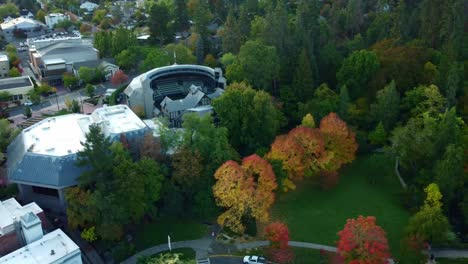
(307, 151)
(362, 241)
(246, 189)
(340, 141)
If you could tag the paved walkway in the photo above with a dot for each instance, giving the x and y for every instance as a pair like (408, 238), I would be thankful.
(450, 253)
(204, 246)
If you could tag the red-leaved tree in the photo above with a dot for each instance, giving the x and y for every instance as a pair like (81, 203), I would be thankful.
(362, 241)
(118, 78)
(278, 235)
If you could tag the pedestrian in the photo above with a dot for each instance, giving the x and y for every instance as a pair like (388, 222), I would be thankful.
(213, 234)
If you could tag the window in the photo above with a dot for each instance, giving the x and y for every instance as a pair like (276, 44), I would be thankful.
(45, 191)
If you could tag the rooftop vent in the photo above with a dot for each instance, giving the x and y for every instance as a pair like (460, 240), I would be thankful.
(52, 252)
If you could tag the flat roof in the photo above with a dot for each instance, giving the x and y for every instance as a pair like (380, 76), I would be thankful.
(50, 248)
(57, 136)
(62, 135)
(3, 57)
(117, 119)
(11, 211)
(54, 61)
(15, 82)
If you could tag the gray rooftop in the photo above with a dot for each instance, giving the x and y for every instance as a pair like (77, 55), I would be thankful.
(16, 82)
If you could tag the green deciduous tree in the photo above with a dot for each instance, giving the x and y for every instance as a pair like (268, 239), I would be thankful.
(7, 134)
(250, 117)
(357, 69)
(14, 72)
(325, 101)
(256, 63)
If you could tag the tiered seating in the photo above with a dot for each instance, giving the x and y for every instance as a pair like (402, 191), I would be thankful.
(168, 87)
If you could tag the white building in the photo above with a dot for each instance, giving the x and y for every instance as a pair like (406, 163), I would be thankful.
(53, 248)
(4, 65)
(89, 6)
(54, 18)
(27, 25)
(42, 158)
(13, 217)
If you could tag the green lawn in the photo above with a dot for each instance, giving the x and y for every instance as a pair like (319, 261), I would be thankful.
(156, 233)
(316, 216)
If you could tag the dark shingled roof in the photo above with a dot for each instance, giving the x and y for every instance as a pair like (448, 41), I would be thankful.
(16, 82)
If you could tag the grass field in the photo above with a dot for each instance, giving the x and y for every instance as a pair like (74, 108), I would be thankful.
(156, 233)
(316, 216)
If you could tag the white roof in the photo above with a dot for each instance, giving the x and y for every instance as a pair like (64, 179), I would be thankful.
(11, 211)
(57, 136)
(117, 119)
(62, 135)
(39, 252)
(54, 61)
(88, 5)
(3, 57)
(144, 37)
(21, 22)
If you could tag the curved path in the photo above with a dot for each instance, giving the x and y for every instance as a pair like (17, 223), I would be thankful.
(202, 247)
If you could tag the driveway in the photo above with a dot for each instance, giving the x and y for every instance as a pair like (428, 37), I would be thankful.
(225, 260)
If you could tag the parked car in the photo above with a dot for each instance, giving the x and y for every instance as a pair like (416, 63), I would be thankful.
(27, 103)
(254, 260)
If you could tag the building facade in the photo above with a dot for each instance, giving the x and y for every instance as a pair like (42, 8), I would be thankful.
(26, 25)
(51, 58)
(54, 18)
(18, 88)
(4, 66)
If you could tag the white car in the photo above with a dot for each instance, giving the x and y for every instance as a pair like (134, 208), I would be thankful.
(254, 260)
(27, 103)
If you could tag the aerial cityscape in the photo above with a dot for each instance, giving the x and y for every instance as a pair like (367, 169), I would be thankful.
(233, 131)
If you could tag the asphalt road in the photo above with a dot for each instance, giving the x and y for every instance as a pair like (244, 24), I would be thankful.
(226, 260)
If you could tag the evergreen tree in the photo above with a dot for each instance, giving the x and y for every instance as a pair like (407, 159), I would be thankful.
(232, 39)
(387, 107)
(200, 51)
(181, 18)
(303, 82)
(454, 83)
(159, 19)
(344, 103)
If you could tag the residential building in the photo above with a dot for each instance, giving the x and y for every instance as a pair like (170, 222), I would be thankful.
(106, 65)
(50, 58)
(41, 160)
(19, 225)
(54, 18)
(26, 14)
(53, 248)
(160, 91)
(4, 65)
(18, 88)
(26, 25)
(89, 6)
